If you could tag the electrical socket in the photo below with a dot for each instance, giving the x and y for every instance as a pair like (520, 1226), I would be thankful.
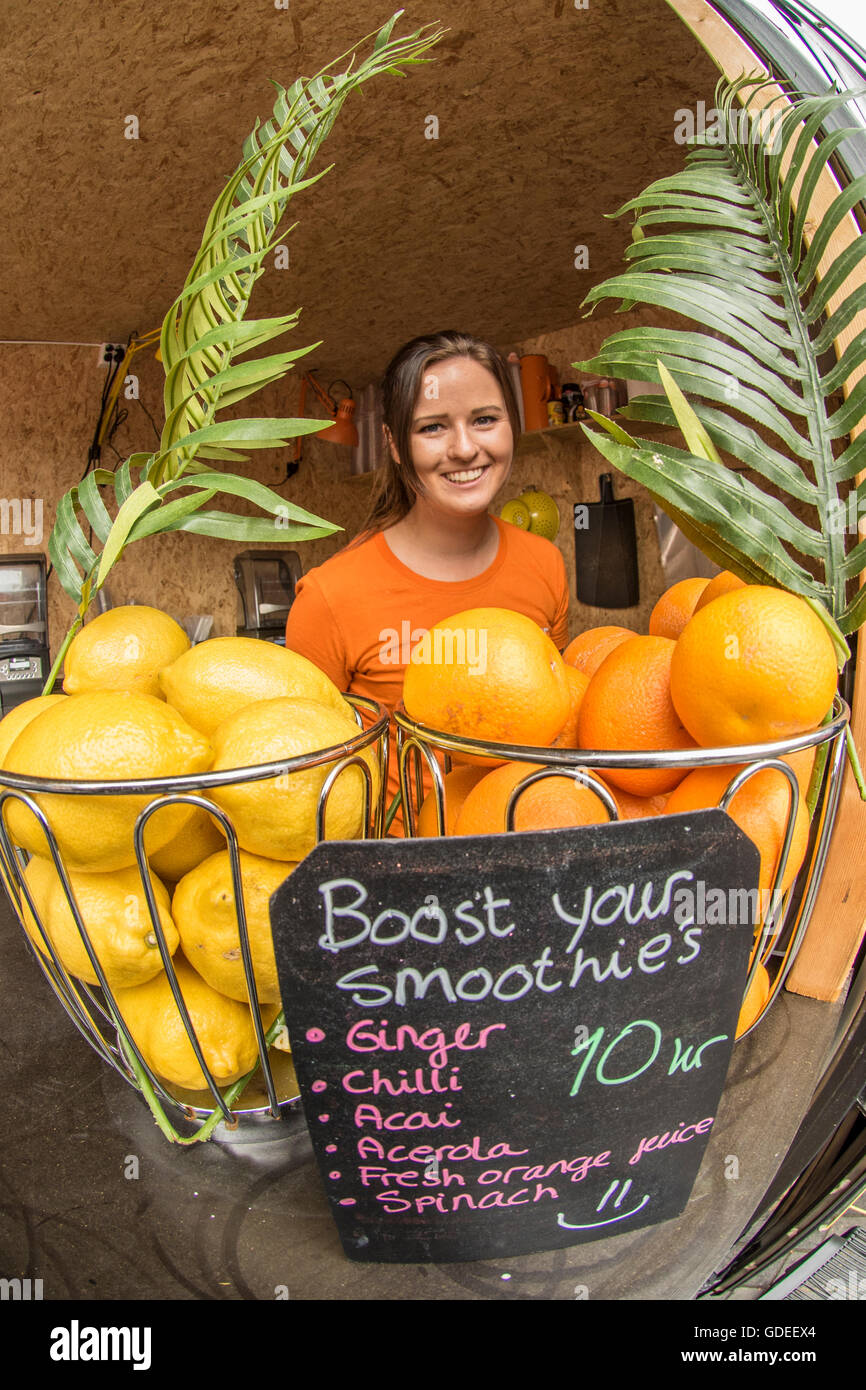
(109, 353)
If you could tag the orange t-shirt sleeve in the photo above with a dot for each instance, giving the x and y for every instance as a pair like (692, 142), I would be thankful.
(559, 628)
(313, 631)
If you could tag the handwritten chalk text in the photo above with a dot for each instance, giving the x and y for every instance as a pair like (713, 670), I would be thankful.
(393, 1202)
(681, 1135)
(364, 1037)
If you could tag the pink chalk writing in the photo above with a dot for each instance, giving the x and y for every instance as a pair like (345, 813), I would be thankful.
(363, 1037)
(681, 1135)
(422, 1153)
(419, 1119)
(357, 1083)
(393, 1202)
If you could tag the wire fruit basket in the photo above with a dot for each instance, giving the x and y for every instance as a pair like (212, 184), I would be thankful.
(269, 1091)
(781, 928)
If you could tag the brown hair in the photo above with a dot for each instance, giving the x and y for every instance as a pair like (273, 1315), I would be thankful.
(398, 484)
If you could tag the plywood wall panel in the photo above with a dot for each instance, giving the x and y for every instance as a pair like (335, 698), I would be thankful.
(50, 398)
(549, 117)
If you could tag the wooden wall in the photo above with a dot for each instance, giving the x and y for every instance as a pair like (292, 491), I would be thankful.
(49, 397)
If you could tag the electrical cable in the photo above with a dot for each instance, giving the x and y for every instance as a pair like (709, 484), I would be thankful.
(150, 418)
(110, 418)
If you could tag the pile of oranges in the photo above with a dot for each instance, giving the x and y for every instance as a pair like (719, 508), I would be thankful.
(723, 664)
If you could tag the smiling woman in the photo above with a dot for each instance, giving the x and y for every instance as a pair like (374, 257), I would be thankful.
(430, 547)
(449, 409)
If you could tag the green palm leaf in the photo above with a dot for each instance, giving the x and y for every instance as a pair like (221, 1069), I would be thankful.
(721, 245)
(203, 341)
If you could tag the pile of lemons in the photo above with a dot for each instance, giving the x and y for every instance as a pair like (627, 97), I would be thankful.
(139, 702)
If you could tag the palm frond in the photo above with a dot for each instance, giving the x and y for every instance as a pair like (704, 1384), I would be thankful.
(722, 246)
(204, 346)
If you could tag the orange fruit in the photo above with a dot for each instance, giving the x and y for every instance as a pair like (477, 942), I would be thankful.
(489, 674)
(577, 686)
(551, 803)
(675, 607)
(756, 997)
(802, 763)
(587, 651)
(756, 664)
(628, 705)
(760, 809)
(637, 807)
(723, 583)
(458, 784)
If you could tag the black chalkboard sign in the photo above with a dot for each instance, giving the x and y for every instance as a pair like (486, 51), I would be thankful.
(514, 1043)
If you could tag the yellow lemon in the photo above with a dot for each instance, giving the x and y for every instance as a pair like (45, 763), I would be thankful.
(115, 914)
(11, 726)
(214, 679)
(204, 910)
(18, 718)
(123, 649)
(39, 876)
(102, 735)
(196, 840)
(276, 817)
(223, 1027)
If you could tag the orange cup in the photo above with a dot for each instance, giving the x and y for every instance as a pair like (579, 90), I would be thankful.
(537, 385)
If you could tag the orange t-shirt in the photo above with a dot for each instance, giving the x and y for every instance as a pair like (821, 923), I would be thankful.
(357, 616)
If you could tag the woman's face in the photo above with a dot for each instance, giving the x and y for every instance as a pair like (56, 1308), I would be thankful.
(461, 437)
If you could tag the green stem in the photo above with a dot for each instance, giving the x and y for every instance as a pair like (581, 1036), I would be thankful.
(59, 659)
(230, 1096)
(149, 1094)
(854, 760)
(392, 811)
(817, 777)
(840, 646)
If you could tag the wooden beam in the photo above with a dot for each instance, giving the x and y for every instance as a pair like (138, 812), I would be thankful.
(837, 927)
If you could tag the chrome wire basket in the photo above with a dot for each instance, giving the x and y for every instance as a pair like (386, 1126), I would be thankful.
(783, 925)
(269, 1092)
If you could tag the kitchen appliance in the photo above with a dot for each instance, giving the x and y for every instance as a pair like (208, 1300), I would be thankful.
(605, 550)
(266, 582)
(24, 659)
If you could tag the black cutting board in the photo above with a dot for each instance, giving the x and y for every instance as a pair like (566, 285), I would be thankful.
(605, 550)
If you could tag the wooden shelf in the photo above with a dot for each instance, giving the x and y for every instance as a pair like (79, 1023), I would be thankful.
(573, 430)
